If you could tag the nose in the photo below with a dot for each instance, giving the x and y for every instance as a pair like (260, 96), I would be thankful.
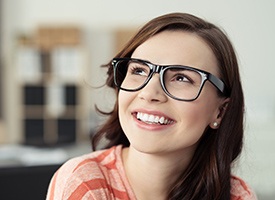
(153, 91)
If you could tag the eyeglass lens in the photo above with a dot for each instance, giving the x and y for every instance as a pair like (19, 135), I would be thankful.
(178, 82)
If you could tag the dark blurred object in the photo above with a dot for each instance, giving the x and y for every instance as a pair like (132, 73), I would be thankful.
(25, 182)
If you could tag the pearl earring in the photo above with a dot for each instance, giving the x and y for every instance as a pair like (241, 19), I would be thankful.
(215, 124)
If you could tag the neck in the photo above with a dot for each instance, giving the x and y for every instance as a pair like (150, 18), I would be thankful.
(150, 175)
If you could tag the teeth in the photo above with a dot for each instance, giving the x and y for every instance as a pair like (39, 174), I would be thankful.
(156, 119)
(153, 119)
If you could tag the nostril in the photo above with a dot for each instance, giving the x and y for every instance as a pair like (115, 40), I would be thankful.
(153, 94)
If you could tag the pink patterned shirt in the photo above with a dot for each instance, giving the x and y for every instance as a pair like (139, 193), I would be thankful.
(100, 175)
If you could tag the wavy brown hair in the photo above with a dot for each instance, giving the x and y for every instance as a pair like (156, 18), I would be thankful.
(208, 174)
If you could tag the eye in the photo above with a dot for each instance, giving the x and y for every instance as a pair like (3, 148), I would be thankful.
(138, 69)
(181, 78)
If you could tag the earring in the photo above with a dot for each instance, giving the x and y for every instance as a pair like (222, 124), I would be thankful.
(215, 124)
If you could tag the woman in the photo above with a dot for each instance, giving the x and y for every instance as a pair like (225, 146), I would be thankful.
(177, 125)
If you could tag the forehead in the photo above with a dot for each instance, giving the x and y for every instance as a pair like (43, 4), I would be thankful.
(180, 48)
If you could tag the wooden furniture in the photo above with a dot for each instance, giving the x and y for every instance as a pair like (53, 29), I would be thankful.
(52, 92)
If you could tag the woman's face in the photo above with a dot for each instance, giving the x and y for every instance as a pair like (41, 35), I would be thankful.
(184, 122)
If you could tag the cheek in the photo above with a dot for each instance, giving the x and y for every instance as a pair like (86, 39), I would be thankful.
(124, 99)
(124, 102)
(196, 115)
(208, 103)
(195, 120)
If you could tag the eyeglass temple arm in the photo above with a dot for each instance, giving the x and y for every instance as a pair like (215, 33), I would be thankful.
(219, 84)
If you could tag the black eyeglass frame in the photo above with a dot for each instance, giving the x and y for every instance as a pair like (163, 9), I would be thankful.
(160, 69)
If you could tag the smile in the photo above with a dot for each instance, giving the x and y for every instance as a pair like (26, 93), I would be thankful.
(153, 119)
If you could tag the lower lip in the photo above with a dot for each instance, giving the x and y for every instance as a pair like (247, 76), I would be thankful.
(151, 127)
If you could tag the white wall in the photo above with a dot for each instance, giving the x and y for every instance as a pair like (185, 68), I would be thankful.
(249, 24)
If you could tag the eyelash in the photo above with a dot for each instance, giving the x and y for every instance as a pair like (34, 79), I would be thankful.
(183, 77)
(133, 69)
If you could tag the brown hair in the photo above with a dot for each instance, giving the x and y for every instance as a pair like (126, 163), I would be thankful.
(208, 175)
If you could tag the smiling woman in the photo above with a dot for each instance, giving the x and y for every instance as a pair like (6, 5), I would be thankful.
(177, 124)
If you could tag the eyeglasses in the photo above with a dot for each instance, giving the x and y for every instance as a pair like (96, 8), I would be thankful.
(178, 82)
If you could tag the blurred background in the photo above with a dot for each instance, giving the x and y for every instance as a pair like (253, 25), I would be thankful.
(51, 52)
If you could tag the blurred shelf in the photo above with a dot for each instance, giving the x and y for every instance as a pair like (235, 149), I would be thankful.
(37, 156)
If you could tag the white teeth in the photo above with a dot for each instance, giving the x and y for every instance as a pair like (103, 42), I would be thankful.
(156, 119)
(152, 118)
(161, 120)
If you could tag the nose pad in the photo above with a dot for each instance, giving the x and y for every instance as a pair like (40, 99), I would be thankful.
(153, 91)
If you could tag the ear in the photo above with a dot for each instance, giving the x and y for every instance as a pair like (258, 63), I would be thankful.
(219, 114)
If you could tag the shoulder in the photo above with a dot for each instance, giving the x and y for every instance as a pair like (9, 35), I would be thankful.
(240, 190)
(102, 158)
(89, 162)
(92, 174)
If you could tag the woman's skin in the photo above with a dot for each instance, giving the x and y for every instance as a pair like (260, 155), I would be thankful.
(159, 153)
